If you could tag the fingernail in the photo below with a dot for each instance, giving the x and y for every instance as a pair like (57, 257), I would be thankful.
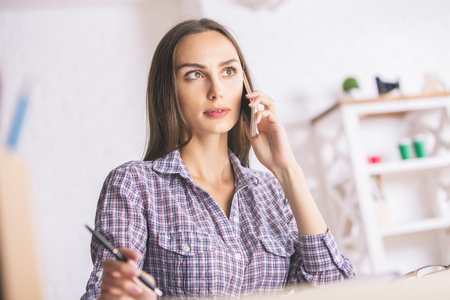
(133, 270)
(135, 289)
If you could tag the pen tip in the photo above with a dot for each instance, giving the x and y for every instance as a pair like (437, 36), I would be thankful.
(158, 292)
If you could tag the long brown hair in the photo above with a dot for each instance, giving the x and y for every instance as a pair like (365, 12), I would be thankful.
(165, 120)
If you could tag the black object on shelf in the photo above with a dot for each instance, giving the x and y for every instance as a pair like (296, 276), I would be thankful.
(386, 87)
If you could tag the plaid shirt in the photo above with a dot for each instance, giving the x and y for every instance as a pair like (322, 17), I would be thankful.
(192, 248)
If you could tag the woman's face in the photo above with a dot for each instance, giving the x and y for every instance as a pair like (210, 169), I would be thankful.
(209, 82)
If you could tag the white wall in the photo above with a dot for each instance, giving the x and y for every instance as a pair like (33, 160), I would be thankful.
(90, 64)
(87, 113)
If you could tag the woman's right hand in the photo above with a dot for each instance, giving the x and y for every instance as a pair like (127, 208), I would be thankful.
(118, 279)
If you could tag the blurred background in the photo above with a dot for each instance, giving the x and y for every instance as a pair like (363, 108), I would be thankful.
(83, 66)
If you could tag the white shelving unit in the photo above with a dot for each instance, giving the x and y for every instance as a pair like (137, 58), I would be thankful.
(413, 196)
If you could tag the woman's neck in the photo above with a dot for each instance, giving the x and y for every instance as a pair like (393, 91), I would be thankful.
(207, 159)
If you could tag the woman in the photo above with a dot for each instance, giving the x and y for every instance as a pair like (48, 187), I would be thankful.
(192, 214)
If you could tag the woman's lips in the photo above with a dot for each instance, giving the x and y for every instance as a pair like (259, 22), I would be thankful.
(217, 112)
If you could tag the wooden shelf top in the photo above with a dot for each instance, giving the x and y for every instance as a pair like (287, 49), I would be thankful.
(380, 99)
(389, 97)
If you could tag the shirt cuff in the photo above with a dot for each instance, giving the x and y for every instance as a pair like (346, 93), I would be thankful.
(320, 252)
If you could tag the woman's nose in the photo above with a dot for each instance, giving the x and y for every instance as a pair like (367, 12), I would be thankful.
(215, 90)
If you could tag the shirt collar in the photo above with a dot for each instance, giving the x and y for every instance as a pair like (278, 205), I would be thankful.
(242, 175)
(173, 164)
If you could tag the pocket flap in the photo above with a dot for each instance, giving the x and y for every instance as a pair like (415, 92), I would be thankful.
(187, 243)
(275, 247)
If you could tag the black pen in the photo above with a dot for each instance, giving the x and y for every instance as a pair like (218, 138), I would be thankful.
(120, 257)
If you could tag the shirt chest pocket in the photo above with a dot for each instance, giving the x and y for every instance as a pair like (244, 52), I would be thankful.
(188, 260)
(187, 243)
(275, 247)
(274, 260)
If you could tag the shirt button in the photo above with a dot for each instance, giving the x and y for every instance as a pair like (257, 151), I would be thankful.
(235, 219)
(237, 256)
(99, 274)
(186, 248)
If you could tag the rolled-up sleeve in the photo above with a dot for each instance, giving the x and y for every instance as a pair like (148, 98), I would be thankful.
(317, 260)
(121, 220)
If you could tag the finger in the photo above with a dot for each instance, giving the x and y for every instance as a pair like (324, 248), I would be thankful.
(142, 285)
(114, 297)
(256, 98)
(128, 268)
(120, 269)
(255, 94)
(110, 291)
(130, 254)
(148, 277)
(267, 114)
(120, 286)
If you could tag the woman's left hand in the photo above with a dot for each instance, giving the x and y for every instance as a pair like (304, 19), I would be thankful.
(271, 145)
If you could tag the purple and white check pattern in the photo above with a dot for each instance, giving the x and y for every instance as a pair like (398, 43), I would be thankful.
(191, 247)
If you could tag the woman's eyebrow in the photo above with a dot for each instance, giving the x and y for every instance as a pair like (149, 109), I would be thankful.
(191, 65)
(200, 66)
(229, 62)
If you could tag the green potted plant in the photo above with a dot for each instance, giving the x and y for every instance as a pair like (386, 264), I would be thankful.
(349, 86)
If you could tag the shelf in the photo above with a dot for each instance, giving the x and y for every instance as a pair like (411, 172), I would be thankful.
(416, 226)
(413, 164)
(389, 104)
(388, 97)
(357, 218)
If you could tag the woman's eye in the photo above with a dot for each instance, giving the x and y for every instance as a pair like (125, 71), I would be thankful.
(229, 72)
(194, 75)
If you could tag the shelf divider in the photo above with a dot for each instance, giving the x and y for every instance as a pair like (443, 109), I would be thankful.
(413, 164)
(416, 226)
